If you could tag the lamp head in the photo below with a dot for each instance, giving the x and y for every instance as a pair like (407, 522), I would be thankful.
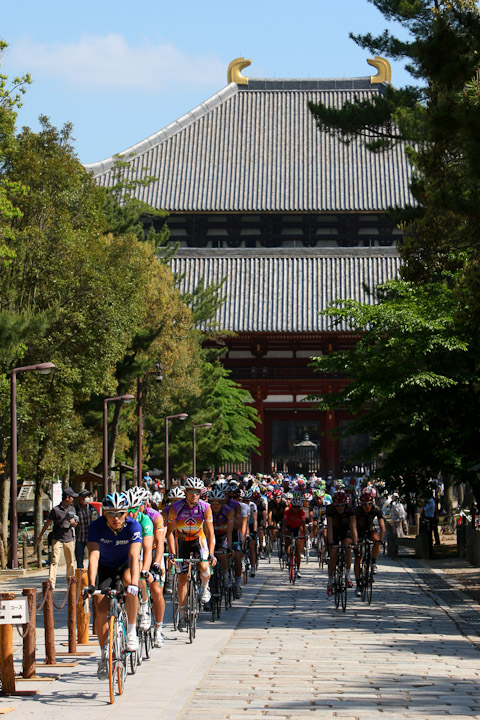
(45, 368)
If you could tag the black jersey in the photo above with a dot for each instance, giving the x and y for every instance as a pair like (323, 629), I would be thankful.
(340, 521)
(366, 520)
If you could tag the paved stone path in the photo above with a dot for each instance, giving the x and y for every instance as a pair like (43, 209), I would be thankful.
(286, 652)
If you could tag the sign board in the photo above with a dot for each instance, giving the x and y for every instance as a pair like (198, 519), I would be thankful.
(56, 494)
(14, 612)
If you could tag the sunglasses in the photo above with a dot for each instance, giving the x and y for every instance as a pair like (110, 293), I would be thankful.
(194, 492)
(114, 513)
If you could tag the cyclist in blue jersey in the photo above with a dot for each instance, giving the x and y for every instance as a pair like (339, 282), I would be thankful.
(114, 543)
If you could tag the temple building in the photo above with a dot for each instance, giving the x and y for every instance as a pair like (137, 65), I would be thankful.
(291, 219)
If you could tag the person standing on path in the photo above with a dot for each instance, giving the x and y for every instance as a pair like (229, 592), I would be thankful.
(398, 515)
(86, 515)
(65, 520)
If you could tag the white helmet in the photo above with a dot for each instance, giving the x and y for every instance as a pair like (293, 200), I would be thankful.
(216, 494)
(136, 496)
(193, 483)
(176, 493)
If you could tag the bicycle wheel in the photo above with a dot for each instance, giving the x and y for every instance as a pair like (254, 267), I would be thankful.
(133, 661)
(218, 599)
(336, 588)
(122, 652)
(175, 601)
(306, 549)
(214, 592)
(112, 642)
(191, 609)
(290, 566)
(344, 593)
(147, 643)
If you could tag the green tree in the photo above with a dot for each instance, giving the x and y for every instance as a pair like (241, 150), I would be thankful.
(220, 401)
(423, 413)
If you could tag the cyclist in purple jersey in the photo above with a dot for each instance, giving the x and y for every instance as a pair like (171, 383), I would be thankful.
(156, 577)
(114, 543)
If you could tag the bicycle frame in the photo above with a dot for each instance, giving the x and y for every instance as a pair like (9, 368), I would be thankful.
(116, 646)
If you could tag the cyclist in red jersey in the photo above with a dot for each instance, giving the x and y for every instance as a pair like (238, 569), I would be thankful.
(294, 523)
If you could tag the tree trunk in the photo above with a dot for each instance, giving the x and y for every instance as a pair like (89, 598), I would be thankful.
(112, 439)
(5, 507)
(448, 494)
(38, 505)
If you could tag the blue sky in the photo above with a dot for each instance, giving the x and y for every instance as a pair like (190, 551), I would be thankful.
(120, 71)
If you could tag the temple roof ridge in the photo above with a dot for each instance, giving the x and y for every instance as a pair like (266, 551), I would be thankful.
(168, 131)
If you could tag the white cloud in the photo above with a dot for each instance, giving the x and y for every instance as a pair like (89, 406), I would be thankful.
(110, 63)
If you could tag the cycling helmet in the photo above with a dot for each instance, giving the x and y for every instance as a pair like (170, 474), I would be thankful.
(193, 483)
(308, 496)
(277, 492)
(340, 497)
(256, 495)
(297, 499)
(288, 495)
(222, 485)
(115, 501)
(136, 496)
(176, 493)
(248, 494)
(268, 494)
(366, 496)
(216, 494)
(234, 488)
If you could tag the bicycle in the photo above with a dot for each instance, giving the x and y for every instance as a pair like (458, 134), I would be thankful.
(145, 635)
(321, 546)
(192, 605)
(246, 563)
(115, 648)
(339, 580)
(366, 575)
(281, 553)
(226, 581)
(307, 545)
(269, 544)
(216, 591)
(25, 534)
(292, 561)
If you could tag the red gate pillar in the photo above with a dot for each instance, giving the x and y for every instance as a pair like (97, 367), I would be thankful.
(331, 445)
(258, 457)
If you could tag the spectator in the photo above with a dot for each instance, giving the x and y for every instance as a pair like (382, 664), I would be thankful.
(86, 515)
(398, 515)
(65, 520)
(430, 513)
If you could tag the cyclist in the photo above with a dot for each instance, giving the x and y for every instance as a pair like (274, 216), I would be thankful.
(366, 514)
(276, 508)
(252, 531)
(114, 543)
(154, 573)
(262, 511)
(223, 525)
(190, 525)
(242, 512)
(318, 515)
(341, 530)
(294, 524)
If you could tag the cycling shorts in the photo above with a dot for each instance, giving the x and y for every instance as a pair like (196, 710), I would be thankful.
(198, 548)
(107, 576)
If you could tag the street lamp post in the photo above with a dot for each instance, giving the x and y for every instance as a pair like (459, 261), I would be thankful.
(44, 369)
(119, 398)
(180, 416)
(158, 377)
(195, 445)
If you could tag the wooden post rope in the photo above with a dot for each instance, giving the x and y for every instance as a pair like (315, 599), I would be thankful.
(49, 625)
